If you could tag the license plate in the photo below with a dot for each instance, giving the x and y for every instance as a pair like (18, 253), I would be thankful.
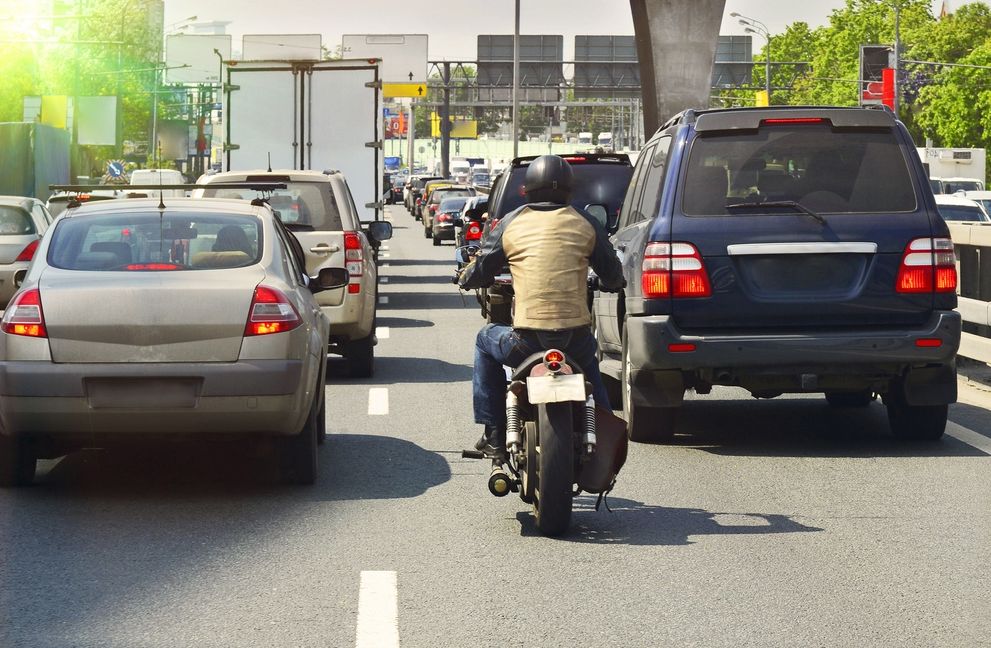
(555, 388)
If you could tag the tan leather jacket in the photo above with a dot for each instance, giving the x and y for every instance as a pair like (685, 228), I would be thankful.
(548, 249)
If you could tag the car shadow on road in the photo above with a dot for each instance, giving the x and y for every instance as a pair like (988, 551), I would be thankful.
(403, 322)
(419, 262)
(394, 370)
(421, 279)
(636, 523)
(800, 427)
(431, 300)
(975, 418)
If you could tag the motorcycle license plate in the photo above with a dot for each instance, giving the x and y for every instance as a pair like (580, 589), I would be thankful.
(555, 388)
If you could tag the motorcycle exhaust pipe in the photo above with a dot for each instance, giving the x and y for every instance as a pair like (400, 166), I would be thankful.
(500, 484)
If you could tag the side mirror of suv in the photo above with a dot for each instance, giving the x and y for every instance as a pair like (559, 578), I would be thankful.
(380, 230)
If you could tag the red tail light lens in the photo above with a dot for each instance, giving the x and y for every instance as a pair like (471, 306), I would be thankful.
(24, 315)
(673, 270)
(928, 265)
(28, 252)
(473, 232)
(554, 360)
(354, 261)
(270, 312)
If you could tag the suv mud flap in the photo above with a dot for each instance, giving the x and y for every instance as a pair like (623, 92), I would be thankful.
(657, 388)
(931, 385)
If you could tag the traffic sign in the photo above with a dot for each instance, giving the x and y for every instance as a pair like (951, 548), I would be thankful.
(404, 56)
(115, 168)
(392, 90)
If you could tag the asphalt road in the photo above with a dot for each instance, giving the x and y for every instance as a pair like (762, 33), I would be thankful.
(767, 523)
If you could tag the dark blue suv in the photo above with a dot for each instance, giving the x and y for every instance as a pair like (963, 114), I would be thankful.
(782, 250)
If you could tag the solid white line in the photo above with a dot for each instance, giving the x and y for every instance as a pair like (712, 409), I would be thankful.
(383, 300)
(968, 436)
(378, 611)
(378, 401)
(382, 332)
(384, 279)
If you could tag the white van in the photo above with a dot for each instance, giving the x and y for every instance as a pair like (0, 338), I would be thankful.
(159, 177)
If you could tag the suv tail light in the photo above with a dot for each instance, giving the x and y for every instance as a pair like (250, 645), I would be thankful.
(473, 232)
(270, 312)
(24, 315)
(928, 265)
(354, 261)
(28, 252)
(673, 270)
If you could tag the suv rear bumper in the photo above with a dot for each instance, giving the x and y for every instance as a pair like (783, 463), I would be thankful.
(812, 361)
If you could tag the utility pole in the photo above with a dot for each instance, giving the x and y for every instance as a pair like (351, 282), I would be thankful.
(898, 54)
(445, 124)
(516, 84)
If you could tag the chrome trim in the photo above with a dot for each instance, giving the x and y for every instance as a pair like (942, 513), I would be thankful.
(745, 249)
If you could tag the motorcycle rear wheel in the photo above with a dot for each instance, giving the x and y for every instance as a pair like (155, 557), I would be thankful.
(555, 473)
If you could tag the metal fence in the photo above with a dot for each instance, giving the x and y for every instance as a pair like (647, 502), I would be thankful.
(973, 248)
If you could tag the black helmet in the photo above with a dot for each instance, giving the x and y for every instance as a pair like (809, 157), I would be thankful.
(549, 179)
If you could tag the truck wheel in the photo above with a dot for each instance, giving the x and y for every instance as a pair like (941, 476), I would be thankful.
(436, 242)
(555, 468)
(850, 399)
(915, 422)
(299, 452)
(644, 424)
(360, 355)
(17, 461)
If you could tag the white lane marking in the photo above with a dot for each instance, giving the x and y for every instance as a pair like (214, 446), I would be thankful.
(383, 255)
(383, 300)
(382, 332)
(968, 436)
(384, 279)
(384, 247)
(378, 611)
(378, 401)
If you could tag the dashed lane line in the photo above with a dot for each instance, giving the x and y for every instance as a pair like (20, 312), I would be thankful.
(382, 332)
(378, 611)
(378, 401)
(968, 436)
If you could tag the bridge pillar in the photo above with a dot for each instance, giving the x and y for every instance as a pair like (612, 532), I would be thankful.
(676, 45)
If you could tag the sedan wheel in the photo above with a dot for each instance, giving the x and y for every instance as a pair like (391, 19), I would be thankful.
(299, 453)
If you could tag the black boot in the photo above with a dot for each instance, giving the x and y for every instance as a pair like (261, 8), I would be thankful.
(492, 442)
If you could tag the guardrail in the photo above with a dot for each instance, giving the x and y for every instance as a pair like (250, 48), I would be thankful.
(973, 248)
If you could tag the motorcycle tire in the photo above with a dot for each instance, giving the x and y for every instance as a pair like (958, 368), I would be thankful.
(555, 471)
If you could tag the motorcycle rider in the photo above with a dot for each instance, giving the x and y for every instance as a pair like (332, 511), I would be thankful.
(548, 246)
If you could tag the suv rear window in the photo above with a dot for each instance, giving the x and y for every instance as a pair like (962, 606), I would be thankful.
(595, 184)
(300, 206)
(132, 241)
(15, 222)
(824, 169)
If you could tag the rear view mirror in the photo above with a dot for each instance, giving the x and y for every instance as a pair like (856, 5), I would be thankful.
(329, 279)
(465, 254)
(380, 230)
(599, 213)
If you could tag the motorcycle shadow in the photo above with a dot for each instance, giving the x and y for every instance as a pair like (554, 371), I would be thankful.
(636, 523)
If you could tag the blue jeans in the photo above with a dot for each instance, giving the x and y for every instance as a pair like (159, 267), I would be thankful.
(497, 345)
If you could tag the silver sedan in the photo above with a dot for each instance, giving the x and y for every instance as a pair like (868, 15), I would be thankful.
(23, 221)
(137, 321)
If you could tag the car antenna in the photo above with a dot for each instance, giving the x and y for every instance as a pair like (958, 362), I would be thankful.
(161, 194)
(269, 161)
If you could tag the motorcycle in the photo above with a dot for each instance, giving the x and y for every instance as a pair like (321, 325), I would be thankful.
(558, 444)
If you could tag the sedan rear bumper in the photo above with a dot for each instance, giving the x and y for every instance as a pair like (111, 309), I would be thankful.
(79, 400)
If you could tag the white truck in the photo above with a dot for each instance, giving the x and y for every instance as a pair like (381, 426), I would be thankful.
(308, 115)
(584, 139)
(604, 140)
(953, 169)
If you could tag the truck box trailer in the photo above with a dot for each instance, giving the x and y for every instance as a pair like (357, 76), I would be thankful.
(310, 115)
(958, 164)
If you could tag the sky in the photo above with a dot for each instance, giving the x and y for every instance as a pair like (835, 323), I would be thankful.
(453, 25)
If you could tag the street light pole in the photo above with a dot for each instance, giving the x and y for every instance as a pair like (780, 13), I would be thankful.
(898, 56)
(754, 26)
(516, 84)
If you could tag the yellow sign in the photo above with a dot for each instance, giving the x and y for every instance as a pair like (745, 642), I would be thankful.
(760, 98)
(390, 90)
(55, 111)
(460, 128)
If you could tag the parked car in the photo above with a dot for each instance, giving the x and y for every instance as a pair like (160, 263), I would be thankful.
(214, 332)
(23, 221)
(954, 207)
(319, 209)
(811, 281)
(432, 206)
(447, 213)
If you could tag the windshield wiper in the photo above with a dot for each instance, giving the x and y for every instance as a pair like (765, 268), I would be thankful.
(779, 203)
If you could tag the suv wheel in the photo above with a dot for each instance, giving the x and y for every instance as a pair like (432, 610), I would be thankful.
(644, 424)
(17, 461)
(427, 233)
(360, 355)
(915, 422)
(436, 242)
(850, 399)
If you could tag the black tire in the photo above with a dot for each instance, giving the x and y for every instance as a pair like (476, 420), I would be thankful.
(915, 422)
(644, 424)
(360, 355)
(436, 242)
(17, 461)
(556, 465)
(850, 399)
(322, 413)
(299, 452)
(427, 233)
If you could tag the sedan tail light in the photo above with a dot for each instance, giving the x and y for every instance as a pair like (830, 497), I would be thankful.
(28, 252)
(928, 264)
(24, 315)
(673, 270)
(270, 312)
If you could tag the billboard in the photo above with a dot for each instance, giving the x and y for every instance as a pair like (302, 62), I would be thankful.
(541, 67)
(404, 58)
(460, 128)
(97, 120)
(606, 67)
(873, 61)
(281, 47)
(194, 58)
(734, 63)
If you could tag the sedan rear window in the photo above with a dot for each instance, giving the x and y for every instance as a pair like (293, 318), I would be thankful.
(825, 170)
(452, 204)
(15, 222)
(961, 213)
(143, 241)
